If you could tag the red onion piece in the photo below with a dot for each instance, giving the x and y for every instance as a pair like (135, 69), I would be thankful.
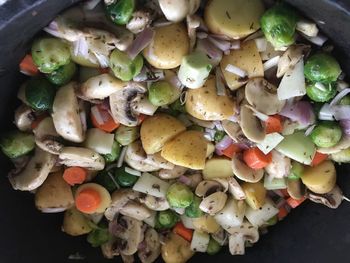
(236, 70)
(235, 44)
(345, 124)
(223, 45)
(300, 111)
(210, 49)
(185, 180)
(141, 41)
(218, 152)
(341, 112)
(224, 143)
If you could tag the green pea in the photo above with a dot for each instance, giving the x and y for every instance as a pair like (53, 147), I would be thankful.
(161, 93)
(326, 134)
(50, 53)
(125, 179)
(123, 67)
(213, 247)
(322, 67)
(193, 210)
(167, 219)
(63, 74)
(121, 11)
(113, 156)
(40, 93)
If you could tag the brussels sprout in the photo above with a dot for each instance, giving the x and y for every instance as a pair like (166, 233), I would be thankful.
(99, 236)
(321, 93)
(113, 156)
(219, 135)
(278, 25)
(179, 195)
(345, 101)
(125, 179)
(341, 157)
(123, 67)
(193, 210)
(108, 180)
(161, 93)
(40, 94)
(178, 106)
(326, 134)
(213, 247)
(126, 135)
(15, 144)
(167, 219)
(322, 67)
(50, 53)
(296, 170)
(121, 11)
(63, 74)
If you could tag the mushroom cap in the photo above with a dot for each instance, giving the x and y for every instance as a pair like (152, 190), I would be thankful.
(331, 199)
(235, 189)
(24, 117)
(82, 157)
(120, 198)
(213, 203)
(262, 95)
(207, 187)
(174, 173)
(249, 232)
(245, 173)
(251, 125)
(155, 203)
(151, 251)
(135, 210)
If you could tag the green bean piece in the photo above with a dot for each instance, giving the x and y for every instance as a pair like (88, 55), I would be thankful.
(124, 179)
(121, 11)
(114, 155)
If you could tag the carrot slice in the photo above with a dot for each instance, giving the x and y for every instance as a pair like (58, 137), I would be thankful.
(75, 175)
(38, 119)
(142, 117)
(256, 159)
(274, 124)
(28, 67)
(282, 213)
(182, 231)
(318, 158)
(293, 203)
(231, 150)
(88, 200)
(108, 124)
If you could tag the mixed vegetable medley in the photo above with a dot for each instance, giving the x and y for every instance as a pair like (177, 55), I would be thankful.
(173, 127)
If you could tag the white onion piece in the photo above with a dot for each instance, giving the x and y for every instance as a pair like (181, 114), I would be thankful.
(202, 35)
(326, 113)
(224, 143)
(261, 44)
(236, 70)
(261, 116)
(273, 62)
(141, 41)
(235, 44)
(219, 81)
(80, 47)
(341, 112)
(121, 157)
(132, 171)
(309, 130)
(318, 40)
(102, 59)
(209, 134)
(308, 28)
(339, 96)
(97, 115)
(223, 45)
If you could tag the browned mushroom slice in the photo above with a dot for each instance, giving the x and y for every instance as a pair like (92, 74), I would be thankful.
(151, 249)
(213, 203)
(331, 199)
(244, 172)
(295, 188)
(208, 187)
(239, 235)
(251, 125)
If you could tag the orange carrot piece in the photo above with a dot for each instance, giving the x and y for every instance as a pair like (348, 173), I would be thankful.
(75, 175)
(293, 203)
(282, 213)
(274, 124)
(318, 158)
(231, 150)
(38, 119)
(182, 231)
(88, 200)
(108, 124)
(256, 159)
(28, 67)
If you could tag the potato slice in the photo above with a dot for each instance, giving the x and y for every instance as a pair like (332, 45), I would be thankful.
(236, 19)
(188, 149)
(246, 58)
(176, 249)
(217, 167)
(75, 223)
(54, 195)
(205, 104)
(206, 223)
(157, 130)
(320, 179)
(255, 194)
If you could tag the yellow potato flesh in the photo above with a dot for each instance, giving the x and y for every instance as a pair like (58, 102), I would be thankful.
(176, 249)
(217, 167)
(157, 130)
(205, 104)
(170, 44)
(75, 223)
(188, 149)
(206, 224)
(255, 194)
(320, 179)
(236, 19)
(246, 58)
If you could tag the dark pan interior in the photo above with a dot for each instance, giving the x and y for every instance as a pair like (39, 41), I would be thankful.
(311, 233)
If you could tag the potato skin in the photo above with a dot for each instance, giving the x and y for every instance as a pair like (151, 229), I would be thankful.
(205, 104)
(246, 58)
(236, 19)
(188, 149)
(157, 130)
(176, 249)
(54, 193)
(320, 179)
(75, 223)
(217, 167)
(255, 194)
(170, 44)
(206, 223)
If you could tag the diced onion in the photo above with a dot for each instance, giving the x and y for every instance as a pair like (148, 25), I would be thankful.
(132, 171)
(97, 115)
(341, 112)
(224, 143)
(218, 125)
(318, 40)
(236, 70)
(185, 180)
(326, 113)
(141, 41)
(308, 28)
(300, 112)
(223, 45)
(122, 157)
(261, 44)
(273, 62)
(102, 60)
(339, 96)
(309, 130)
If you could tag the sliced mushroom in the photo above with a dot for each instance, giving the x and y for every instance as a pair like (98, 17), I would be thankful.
(332, 199)
(193, 22)
(135, 210)
(119, 199)
(82, 157)
(122, 103)
(262, 95)
(235, 189)
(280, 165)
(139, 21)
(24, 116)
(220, 236)
(223, 182)
(151, 249)
(208, 187)
(343, 144)
(239, 235)
(127, 258)
(174, 173)
(213, 203)
(232, 129)
(35, 172)
(47, 138)
(65, 114)
(295, 188)
(251, 125)
(290, 58)
(108, 250)
(136, 158)
(177, 10)
(129, 235)
(154, 203)
(100, 87)
(245, 173)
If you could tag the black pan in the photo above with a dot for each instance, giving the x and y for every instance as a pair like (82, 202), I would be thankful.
(311, 233)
